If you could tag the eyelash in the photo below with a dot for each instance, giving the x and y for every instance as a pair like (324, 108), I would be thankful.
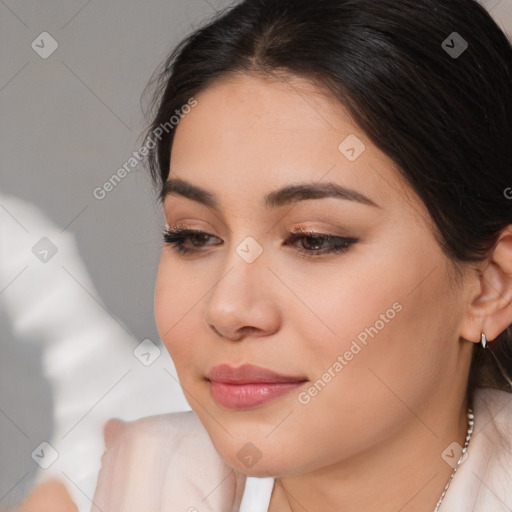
(176, 236)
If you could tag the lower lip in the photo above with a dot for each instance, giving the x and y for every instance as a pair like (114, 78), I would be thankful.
(247, 396)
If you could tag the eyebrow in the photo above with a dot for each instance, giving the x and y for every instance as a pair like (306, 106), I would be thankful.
(283, 196)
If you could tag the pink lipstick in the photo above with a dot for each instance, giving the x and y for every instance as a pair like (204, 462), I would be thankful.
(248, 386)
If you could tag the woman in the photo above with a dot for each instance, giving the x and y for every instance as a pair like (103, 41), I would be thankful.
(335, 285)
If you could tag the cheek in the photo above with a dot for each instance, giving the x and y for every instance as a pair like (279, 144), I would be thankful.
(347, 308)
(165, 303)
(377, 338)
(391, 322)
(173, 307)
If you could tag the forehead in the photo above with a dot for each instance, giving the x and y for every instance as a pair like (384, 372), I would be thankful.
(265, 106)
(249, 135)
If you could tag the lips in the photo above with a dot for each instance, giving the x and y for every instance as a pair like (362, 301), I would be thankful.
(247, 374)
(248, 386)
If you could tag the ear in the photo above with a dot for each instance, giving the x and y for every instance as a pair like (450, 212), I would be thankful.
(489, 307)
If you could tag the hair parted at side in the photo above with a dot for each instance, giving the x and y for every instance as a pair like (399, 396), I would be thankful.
(445, 121)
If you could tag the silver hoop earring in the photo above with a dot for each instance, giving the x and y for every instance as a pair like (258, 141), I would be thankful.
(483, 340)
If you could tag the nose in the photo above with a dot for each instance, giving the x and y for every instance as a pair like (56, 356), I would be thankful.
(242, 302)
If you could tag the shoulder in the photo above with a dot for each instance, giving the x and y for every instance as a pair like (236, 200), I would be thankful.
(153, 439)
(493, 424)
(482, 481)
(172, 427)
(493, 428)
(163, 462)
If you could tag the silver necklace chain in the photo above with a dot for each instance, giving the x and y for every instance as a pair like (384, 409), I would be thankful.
(471, 422)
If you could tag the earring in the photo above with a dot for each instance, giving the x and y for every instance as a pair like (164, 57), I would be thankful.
(483, 340)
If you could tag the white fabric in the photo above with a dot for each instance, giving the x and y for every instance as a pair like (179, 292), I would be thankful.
(483, 483)
(257, 494)
(167, 463)
(87, 356)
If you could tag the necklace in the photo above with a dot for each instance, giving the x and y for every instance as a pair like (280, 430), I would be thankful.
(471, 422)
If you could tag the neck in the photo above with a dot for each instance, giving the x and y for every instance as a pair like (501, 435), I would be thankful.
(405, 472)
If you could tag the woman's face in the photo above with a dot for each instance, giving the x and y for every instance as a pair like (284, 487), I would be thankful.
(365, 341)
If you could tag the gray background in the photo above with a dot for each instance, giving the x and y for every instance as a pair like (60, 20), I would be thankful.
(68, 123)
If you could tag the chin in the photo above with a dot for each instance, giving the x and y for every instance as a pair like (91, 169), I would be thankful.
(262, 468)
(242, 439)
(260, 458)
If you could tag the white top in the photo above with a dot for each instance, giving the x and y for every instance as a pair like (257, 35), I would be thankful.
(167, 463)
(257, 494)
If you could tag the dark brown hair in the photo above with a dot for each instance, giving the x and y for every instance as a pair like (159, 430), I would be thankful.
(440, 110)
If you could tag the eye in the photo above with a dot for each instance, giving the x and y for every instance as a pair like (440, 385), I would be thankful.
(311, 241)
(176, 238)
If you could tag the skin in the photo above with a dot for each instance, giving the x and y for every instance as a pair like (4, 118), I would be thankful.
(375, 433)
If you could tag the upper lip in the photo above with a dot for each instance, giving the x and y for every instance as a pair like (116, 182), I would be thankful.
(247, 374)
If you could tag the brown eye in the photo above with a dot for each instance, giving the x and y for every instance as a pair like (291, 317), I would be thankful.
(176, 238)
(311, 243)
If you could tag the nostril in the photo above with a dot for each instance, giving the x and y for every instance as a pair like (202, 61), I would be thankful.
(243, 331)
